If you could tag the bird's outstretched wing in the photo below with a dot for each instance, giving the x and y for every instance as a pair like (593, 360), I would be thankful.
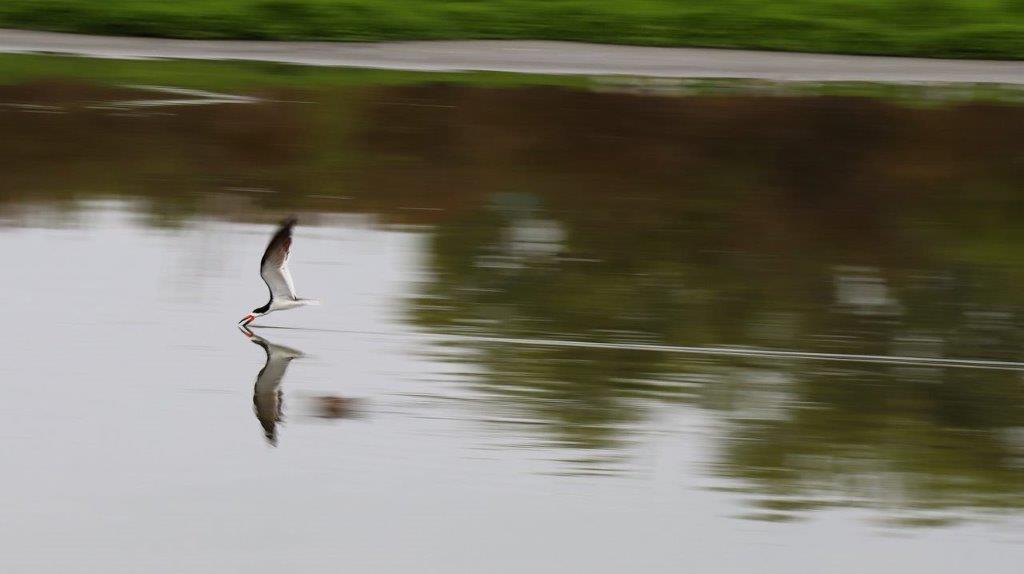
(274, 265)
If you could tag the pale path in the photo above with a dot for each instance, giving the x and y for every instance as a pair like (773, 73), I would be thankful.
(538, 57)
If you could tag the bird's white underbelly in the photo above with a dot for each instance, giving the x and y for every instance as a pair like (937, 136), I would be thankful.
(282, 304)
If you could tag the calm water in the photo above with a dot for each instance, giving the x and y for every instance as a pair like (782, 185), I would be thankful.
(509, 371)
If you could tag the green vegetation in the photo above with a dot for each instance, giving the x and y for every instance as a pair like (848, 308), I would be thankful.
(951, 28)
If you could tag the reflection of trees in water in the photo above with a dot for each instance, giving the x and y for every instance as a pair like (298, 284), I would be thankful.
(799, 434)
(905, 438)
(826, 224)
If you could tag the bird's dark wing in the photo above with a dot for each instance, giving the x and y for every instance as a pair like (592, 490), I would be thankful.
(274, 265)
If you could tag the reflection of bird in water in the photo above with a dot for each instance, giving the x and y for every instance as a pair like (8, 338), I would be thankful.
(266, 395)
(274, 271)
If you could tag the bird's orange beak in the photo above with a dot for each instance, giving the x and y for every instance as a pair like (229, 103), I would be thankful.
(247, 319)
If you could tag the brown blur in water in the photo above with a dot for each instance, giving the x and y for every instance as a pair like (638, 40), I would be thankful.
(824, 224)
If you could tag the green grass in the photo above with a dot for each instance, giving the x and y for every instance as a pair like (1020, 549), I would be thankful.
(947, 28)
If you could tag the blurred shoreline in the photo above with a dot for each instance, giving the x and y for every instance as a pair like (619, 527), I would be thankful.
(533, 57)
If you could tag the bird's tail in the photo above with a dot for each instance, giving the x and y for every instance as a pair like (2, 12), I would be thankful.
(308, 301)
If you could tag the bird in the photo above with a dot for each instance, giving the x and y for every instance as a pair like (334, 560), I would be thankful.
(267, 399)
(274, 271)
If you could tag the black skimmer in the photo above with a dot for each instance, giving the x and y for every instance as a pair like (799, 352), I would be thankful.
(274, 271)
(267, 399)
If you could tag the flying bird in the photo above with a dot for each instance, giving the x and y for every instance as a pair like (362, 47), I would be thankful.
(267, 399)
(274, 271)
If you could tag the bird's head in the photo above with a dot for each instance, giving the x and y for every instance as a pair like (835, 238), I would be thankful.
(250, 318)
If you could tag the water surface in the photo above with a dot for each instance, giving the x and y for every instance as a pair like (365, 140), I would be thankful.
(516, 285)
